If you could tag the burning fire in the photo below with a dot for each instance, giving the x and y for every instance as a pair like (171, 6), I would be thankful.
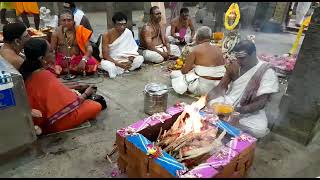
(190, 138)
(193, 122)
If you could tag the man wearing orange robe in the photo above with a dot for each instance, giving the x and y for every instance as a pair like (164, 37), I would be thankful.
(70, 40)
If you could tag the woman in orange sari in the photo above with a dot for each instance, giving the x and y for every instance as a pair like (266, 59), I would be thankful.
(61, 108)
(70, 40)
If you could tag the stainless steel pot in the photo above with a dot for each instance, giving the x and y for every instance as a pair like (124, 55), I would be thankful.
(155, 98)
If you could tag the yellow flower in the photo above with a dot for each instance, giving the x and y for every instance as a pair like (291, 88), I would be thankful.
(177, 66)
(179, 62)
(306, 22)
(296, 42)
(233, 9)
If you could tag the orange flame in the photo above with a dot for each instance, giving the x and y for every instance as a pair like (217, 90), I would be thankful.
(193, 122)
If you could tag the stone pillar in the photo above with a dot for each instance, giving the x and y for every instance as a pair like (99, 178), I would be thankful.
(110, 11)
(300, 107)
(146, 11)
(202, 12)
(247, 11)
(207, 13)
(218, 11)
(276, 21)
(263, 13)
(280, 14)
(55, 8)
(124, 7)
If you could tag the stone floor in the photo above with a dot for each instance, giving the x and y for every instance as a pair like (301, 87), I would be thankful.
(81, 153)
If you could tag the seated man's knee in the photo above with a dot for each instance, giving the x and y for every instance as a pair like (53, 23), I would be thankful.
(107, 65)
(175, 74)
(152, 56)
(139, 59)
(175, 50)
(110, 67)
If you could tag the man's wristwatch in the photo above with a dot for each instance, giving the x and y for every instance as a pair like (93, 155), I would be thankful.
(84, 59)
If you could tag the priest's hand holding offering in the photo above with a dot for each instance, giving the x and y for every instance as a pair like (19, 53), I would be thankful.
(233, 70)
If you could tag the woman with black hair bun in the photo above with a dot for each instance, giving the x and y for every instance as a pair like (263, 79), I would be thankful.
(61, 108)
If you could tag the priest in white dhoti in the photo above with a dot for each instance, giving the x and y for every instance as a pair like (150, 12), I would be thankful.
(154, 43)
(184, 35)
(119, 49)
(203, 68)
(247, 85)
(181, 30)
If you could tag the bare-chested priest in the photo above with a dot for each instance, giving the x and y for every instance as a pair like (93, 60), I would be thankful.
(119, 49)
(155, 44)
(181, 30)
(203, 68)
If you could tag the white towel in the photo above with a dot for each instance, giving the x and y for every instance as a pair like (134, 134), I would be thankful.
(124, 46)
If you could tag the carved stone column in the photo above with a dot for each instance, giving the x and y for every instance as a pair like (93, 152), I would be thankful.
(300, 107)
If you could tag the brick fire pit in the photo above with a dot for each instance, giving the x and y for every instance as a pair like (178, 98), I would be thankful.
(233, 160)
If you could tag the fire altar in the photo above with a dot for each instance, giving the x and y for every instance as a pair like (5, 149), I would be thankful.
(181, 142)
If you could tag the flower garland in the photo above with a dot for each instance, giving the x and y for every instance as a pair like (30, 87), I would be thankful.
(232, 11)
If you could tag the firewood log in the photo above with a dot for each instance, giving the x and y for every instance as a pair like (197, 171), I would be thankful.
(159, 134)
(178, 141)
(176, 124)
(179, 146)
(211, 148)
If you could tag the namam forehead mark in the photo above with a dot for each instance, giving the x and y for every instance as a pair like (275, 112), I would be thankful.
(66, 16)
